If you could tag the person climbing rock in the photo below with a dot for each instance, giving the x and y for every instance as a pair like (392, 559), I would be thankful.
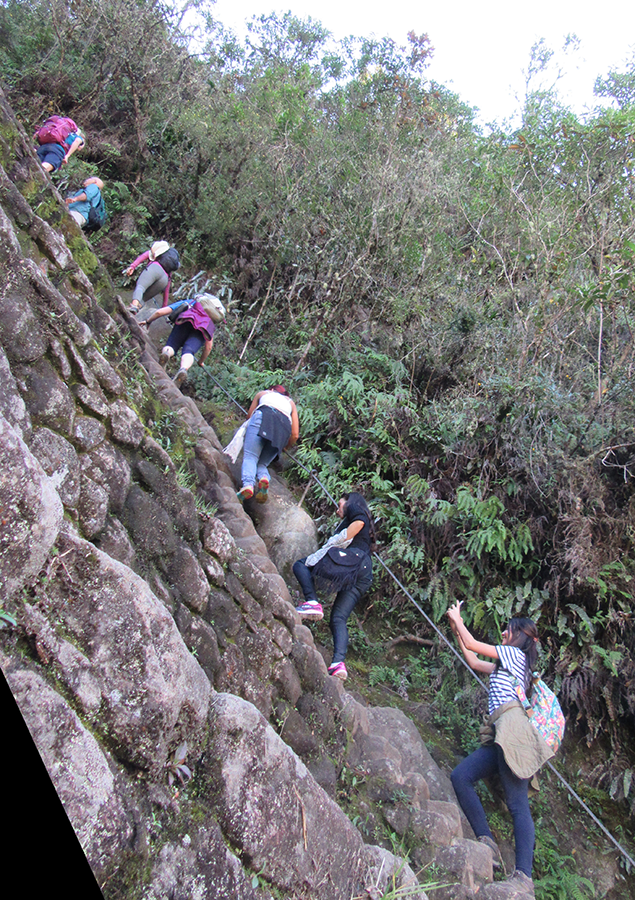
(343, 564)
(193, 329)
(58, 138)
(156, 277)
(80, 204)
(272, 426)
(513, 748)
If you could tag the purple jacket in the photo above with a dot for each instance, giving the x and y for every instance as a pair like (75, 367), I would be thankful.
(199, 320)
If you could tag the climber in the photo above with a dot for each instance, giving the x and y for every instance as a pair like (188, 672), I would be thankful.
(156, 278)
(344, 565)
(58, 138)
(194, 326)
(80, 204)
(510, 744)
(272, 426)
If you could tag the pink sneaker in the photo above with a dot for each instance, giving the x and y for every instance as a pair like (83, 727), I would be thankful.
(338, 670)
(310, 610)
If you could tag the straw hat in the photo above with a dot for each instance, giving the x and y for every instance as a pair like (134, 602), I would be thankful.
(158, 248)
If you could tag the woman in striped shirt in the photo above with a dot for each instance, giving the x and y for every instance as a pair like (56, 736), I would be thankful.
(511, 660)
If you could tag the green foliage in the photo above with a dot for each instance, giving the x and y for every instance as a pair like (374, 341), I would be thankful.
(6, 619)
(492, 614)
(452, 695)
(176, 766)
(481, 525)
(555, 877)
(178, 442)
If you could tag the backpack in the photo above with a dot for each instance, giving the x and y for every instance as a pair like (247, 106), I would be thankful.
(55, 130)
(169, 261)
(543, 710)
(173, 316)
(97, 215)
(212, 306)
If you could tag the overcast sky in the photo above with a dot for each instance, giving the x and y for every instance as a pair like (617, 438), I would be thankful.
(481, 49)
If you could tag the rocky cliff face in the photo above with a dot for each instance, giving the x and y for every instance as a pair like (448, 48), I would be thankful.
(153, 640)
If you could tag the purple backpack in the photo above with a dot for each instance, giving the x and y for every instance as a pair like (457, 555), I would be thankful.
(55, 130)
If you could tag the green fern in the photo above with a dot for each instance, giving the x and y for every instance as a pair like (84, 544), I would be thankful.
(565, 885)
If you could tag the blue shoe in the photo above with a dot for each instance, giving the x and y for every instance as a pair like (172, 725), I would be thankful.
(245, 493)
(310, 610)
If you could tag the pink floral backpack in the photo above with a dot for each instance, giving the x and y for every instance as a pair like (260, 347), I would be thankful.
(543, 710)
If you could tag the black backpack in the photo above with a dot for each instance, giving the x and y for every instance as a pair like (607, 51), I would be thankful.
(173, 316)
(169, 261)
(97, 214)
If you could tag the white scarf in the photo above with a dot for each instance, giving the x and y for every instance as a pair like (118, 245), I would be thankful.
(236, 444)
(339, 539)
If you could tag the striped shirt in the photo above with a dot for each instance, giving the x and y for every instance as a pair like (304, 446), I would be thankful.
(501, 688)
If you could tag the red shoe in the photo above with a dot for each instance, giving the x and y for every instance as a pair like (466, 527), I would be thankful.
(245, 493)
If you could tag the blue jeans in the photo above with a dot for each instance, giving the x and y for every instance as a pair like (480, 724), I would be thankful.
(483, 763)
(345, 602)
(258, 453)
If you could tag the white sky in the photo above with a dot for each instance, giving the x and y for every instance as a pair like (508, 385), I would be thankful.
(481, 49)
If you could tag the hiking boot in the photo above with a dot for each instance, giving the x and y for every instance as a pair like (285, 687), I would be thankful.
(310, 610)
(519, 878)
(497, 860)
(263, 490)
(164, 359)
(133, 310)
(245, 493)
(338, 670)
(180, 378)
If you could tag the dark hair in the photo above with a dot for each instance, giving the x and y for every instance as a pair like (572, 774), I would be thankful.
(356, 507)
(281, 389)
(524, 635)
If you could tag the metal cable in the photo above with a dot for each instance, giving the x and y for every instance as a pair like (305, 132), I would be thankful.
(402, 587)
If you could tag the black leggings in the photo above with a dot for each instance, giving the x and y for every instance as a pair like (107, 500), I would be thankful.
(344, 604)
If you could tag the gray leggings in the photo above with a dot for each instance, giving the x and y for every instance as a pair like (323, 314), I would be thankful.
(151, 282)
